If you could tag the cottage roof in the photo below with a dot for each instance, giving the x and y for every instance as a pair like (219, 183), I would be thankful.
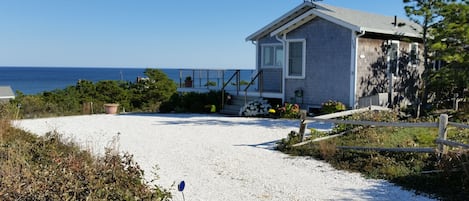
(352, 19)
(6, 92)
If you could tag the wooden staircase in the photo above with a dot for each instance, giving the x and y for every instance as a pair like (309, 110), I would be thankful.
(236, 103)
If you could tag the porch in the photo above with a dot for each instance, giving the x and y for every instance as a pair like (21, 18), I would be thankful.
(233, 81)
(241, 85)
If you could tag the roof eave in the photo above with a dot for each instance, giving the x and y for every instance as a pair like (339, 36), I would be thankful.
(256, 35)
(318, 14)
(292, 23)
(393, 32)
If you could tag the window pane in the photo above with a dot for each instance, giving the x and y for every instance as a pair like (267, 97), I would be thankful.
(268, 55)
(295, 59)
(394, 59)
(393, 51)
(414, 54)
(279, 56)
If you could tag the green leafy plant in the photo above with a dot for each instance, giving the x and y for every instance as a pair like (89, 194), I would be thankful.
(289, 110)
(332, 107)
(210, 84)
(193, 102)
(52, 168)
(143, 95)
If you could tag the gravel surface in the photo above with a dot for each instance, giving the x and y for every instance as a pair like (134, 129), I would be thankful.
(219, 158)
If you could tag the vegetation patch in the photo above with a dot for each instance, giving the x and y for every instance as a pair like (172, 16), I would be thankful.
(86, 97)
(446, 178)
(193, 102)
(49, 168)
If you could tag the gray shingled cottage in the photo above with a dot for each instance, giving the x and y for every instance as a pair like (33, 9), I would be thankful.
(317, 52)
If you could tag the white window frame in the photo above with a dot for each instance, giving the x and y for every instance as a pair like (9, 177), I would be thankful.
(396, 69)
(287, 63)
(274, 45)
(414, 62)
(398, 46)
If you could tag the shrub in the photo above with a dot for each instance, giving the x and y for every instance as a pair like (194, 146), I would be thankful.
(145, 95)
(404, 169)
(327, 149)
(332, 107)
(288, 110)
(285, 144)
(255, 108)
(193, 102)
(47, 168)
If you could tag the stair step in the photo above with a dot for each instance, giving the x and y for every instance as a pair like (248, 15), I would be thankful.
(240, 100)
(235, 105)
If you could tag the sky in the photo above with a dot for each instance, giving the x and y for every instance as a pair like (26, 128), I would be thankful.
(205, 34)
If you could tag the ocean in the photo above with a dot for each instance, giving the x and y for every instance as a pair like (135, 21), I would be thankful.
(33, 80)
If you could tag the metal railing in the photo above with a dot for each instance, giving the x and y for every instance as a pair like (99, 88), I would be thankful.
(260, 77)
(236, 74)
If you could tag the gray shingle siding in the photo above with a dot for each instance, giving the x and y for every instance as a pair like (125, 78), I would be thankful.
(372, 72)
(272, 80)
(330, 36)
(328, 63)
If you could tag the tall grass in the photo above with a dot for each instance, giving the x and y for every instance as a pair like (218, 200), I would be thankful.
(47, 168)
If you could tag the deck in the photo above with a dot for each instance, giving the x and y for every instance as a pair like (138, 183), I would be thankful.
(236, 82)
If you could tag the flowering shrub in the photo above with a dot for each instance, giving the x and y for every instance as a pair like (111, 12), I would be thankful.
(332, 106)
(255, 108)
(289, 110)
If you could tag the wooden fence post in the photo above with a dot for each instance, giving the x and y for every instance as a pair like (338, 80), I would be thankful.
(302, 124)
(442, 128)
(455, 102)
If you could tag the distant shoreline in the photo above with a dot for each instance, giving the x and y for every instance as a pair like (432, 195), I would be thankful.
(130, 67)
(34, 80)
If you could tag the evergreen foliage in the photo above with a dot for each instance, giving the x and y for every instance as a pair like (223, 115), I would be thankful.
(144, 95)
(446, 21)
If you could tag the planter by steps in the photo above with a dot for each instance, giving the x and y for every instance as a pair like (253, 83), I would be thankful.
(111, 108)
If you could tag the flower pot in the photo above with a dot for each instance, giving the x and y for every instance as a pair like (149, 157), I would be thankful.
(111, 108)
(188, 83)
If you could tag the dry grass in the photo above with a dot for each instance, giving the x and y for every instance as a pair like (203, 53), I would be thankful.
(327, 149)
(47, 168)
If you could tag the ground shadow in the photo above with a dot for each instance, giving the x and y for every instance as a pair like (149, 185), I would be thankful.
(271, 145)
(199, 119)
(382, 191)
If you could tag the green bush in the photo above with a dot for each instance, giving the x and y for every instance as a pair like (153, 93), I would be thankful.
(288, 110)
(47, 168)
(193, 102)
(145, 95)
(332, 107)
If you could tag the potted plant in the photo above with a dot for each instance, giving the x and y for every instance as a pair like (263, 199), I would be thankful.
(188, 81)
(111, 108)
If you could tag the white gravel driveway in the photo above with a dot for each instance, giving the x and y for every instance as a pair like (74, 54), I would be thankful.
(219, 158)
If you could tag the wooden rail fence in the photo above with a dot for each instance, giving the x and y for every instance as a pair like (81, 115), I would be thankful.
(441, 141)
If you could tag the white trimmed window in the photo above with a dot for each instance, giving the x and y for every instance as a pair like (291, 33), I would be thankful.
(272, 55)
(393, 53)
(414, 54)
(296, 59)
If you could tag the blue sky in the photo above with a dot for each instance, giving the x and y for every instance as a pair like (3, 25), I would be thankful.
(145, 33)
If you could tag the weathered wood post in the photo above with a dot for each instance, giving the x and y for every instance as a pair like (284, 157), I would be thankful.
(442, 131)
(302, 124)
(455, 102)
